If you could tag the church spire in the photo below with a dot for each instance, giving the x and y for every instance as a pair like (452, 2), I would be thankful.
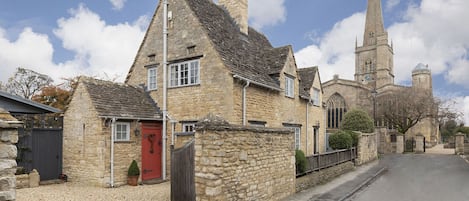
(374, 25)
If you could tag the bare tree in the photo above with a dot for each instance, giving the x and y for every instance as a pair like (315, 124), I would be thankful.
(26, 83)
(405, 107)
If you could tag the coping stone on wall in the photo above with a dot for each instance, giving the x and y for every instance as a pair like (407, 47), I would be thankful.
(217, 123)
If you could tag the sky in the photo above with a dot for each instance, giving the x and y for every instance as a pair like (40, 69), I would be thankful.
(65, 39)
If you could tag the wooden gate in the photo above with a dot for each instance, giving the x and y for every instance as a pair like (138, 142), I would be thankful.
(47, 152)
(151, 150)
(182, 173)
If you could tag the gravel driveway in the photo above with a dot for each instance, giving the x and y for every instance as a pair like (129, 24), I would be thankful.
(72, 192)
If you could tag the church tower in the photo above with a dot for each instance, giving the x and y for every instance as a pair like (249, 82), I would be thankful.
(374, 59)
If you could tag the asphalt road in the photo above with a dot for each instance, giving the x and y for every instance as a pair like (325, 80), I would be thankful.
(416, 177)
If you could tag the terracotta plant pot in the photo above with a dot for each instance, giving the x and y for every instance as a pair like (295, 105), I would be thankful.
(132, 180)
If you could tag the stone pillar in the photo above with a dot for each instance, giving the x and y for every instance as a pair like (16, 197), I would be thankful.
(419, 144)
(400, 143)
(459, 143)
(8, 139)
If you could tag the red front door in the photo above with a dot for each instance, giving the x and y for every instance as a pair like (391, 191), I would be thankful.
(151, 150)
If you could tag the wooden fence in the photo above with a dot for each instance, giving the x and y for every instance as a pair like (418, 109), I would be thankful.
(329, 159)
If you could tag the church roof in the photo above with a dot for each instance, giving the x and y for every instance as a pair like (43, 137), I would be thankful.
(249, 56)
(120, 100)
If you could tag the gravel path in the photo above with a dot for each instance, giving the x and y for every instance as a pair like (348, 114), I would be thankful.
(439, 149)
(72, 192)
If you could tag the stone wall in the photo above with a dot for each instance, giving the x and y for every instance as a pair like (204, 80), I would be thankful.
(30, 180)
(367, 149)
(323, 176)
(243, 163)
(8, 138)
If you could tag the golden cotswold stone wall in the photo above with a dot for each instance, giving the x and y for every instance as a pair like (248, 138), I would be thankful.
(243, 163)
(83, 159)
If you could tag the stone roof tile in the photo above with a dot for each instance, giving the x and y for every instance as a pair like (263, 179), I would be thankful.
(120, 100)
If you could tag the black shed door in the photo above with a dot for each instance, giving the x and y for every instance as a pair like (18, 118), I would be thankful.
(47, 152)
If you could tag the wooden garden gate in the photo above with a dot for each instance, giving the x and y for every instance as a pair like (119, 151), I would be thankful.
(183, 173)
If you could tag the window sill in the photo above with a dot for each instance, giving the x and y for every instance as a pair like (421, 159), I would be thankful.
(290, 97)
(124, 142)
(191, 85)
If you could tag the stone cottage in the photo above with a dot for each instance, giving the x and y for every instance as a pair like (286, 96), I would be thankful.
(218, 64)
(106, 126)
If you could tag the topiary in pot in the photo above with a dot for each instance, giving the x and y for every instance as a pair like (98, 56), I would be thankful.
(133, 173)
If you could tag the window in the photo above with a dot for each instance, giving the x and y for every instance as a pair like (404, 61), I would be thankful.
(297, 135)
(316, 97)
(184, 74)
(289, 87)
(122, 132)
(188, 127)
(336, 109)
(151, 78)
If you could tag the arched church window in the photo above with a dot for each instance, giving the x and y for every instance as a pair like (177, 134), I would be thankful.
(336, 109)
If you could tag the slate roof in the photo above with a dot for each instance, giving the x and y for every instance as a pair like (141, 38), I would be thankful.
(307, 76)
(249, 56)
(16, 104)
(120, 100)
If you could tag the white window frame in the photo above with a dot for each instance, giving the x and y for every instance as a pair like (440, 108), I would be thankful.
(297, 130)
(315, 97)
(126, 137)
(184, 74)
(289, 86)
(186, 125)
(152, 79)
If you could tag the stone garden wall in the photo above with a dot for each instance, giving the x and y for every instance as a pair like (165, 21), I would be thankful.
(243, 163)
(367, 149)
(8, 139)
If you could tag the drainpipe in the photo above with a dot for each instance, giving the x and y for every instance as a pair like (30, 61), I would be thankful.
(307, 126)
(113, 132)
(244, 102)
(165, 87)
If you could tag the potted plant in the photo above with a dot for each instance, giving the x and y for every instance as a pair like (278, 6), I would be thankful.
(133, 173)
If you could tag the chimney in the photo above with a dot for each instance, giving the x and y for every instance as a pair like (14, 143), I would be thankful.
(238, 9)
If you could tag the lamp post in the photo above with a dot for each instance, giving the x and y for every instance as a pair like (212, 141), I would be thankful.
(374, 93)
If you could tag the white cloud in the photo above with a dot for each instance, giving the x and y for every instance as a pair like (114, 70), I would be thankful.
(266, 13)
(101, 50)
(433, 33)
(390, 4)
(31, 50)
(462, 105)
(335, 52)
(117, 4)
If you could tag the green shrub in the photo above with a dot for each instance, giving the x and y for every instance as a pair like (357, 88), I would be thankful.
(340, 140)
(133, 169)
(300, 161)
(357, 120)
(354, 136)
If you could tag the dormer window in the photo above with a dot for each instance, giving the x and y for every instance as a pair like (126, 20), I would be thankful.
(289, 86)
